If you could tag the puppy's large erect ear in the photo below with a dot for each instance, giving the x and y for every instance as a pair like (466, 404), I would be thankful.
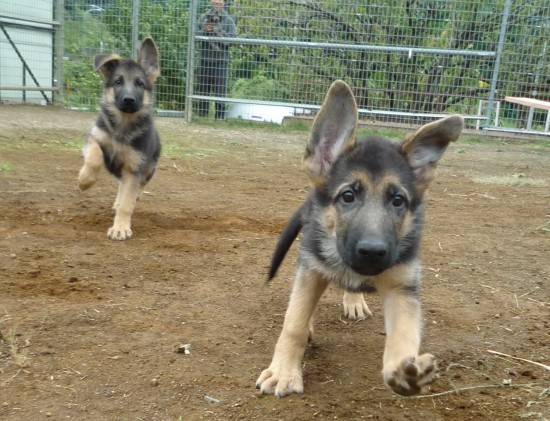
(105, 64)
(333, 131)
(148, 59)
(425, 147)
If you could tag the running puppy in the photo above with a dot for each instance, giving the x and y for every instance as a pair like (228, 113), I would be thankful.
(123, 138)
(361, 228)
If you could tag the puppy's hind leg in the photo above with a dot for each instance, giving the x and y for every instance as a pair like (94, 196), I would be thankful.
(125, 204)
(93, 162)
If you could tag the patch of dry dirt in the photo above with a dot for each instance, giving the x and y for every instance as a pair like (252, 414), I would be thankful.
(90, 326)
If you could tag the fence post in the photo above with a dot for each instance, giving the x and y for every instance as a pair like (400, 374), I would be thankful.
(498, 58)
(190, 60)
(59, 48)
(135, 28)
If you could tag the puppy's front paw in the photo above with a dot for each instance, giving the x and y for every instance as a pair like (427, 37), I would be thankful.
(120, 233)
(280, 382)
(411, 374)
(355, 306)
(86, 178)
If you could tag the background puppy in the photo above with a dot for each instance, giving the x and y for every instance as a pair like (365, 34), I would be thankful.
(123, 137)
(361, 224)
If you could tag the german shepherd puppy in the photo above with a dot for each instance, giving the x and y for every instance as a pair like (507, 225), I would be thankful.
(361, 228)
(123, 138)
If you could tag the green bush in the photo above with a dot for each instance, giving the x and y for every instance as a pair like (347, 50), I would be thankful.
(259, 87)
(82, 85)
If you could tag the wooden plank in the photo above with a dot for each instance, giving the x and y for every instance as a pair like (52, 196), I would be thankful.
(530, 102)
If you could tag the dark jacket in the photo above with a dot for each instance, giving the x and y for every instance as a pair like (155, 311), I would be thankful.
(224, 26)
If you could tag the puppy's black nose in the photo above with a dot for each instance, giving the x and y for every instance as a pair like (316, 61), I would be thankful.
(128, 104)
(372, 249)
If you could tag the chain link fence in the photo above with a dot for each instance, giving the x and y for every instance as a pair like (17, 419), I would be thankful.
(408, 61)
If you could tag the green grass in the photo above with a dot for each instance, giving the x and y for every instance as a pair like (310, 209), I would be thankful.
(188, 147)
(5, 166)
(293, 125)
(465, 139)
(37, 143)
(484, 140)
(9, 338)
(172, 149)
(175, 146)
(395, 134)
(72, 144)
(510, 180)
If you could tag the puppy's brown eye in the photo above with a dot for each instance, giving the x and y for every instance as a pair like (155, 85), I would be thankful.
(348, 196)
(398, 201)
(140, 83)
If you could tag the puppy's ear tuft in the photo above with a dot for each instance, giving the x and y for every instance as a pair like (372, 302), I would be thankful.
(425, 147)
(106, 64)
(333, 131)
(148, 59)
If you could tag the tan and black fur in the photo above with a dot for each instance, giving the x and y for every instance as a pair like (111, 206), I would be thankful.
(361, 228)
(123, 138)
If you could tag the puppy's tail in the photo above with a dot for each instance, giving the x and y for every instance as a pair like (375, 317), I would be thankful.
(286, 239)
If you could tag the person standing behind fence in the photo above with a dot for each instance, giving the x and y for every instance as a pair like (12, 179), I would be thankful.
(215, 57)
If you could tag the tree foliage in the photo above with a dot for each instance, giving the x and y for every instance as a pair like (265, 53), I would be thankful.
(398, 81)
(406, 81)
(106, 29)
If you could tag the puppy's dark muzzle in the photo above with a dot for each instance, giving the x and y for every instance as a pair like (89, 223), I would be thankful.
(128, 104)
(371, 257)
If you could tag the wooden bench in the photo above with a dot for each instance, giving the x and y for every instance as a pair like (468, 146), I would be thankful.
(532, 103)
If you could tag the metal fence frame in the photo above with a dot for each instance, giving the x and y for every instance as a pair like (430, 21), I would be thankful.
(484, 119)
(348, 47)
(345, 47)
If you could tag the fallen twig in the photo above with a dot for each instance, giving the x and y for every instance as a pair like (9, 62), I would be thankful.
(13, 377)
(546, 367)
(484, 195)
(464, 389)
(538, 302)
(23, 191)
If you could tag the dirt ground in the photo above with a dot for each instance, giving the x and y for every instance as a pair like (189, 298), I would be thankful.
(90, 327)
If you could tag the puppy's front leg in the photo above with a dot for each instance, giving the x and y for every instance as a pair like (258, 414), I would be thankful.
(126, 198)
(93, 162)
(284, 375)
(405, 372)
